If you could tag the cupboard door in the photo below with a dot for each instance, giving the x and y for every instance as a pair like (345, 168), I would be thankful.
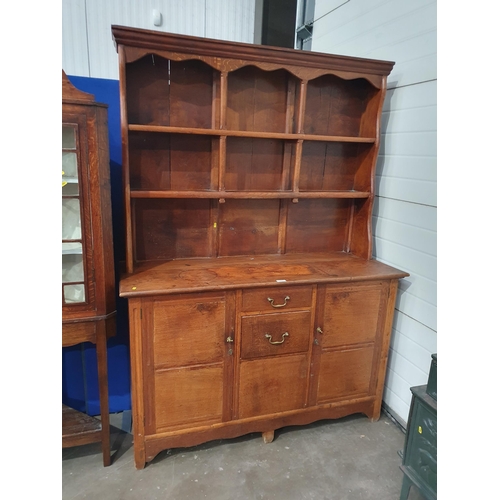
(345, 373)
(272, 385)
(187, 359)
(350, 319)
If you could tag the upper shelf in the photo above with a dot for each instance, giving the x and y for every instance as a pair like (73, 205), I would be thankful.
(174, 96)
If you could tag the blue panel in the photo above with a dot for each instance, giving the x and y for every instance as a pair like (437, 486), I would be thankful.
(76, 383)
(73, 389)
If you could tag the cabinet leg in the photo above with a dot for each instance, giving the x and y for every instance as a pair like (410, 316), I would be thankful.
(102, 370)
(268, 436)
(139, 455)
(405, 489)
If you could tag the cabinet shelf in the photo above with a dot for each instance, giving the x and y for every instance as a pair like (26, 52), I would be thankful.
(249, 134)
(79, 428)
(249, 194)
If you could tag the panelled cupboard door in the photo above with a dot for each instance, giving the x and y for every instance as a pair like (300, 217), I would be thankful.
(351, 322)
(186, 360)
(272, 385)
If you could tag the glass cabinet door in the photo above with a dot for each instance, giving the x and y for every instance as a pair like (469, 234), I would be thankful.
(73, 268)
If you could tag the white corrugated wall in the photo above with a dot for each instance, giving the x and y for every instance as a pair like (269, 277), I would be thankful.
(405, 211)
(87, 45)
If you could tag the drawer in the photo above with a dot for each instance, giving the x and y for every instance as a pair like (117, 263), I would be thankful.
(275, 334)
(74, 333)
(276, 298)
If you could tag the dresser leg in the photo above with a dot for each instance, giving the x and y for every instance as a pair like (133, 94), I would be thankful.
(268, 436)
(405, 489)
(139, 457)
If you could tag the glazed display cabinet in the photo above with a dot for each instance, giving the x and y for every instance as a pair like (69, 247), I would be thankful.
(254, 301)
(88, 278)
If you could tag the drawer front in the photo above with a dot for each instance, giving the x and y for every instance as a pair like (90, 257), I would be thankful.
(74, 333)
(275, 334)
(421, 454)
(276, 298)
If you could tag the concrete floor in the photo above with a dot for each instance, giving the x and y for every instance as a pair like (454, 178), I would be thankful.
(346, 459)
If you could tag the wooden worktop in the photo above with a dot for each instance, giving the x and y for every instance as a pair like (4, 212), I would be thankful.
(196, 275)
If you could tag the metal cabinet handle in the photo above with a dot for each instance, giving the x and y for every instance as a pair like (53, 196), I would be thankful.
(269, 337)
(278, 305)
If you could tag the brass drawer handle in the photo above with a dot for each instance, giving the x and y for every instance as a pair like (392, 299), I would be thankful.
(278, 305)
(269, 337)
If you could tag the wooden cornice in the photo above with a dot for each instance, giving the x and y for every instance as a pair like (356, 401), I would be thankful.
(158, 40)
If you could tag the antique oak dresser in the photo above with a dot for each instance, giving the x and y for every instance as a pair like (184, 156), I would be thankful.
(254, 301)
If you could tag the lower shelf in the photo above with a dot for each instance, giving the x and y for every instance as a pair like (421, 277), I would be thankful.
(79, 428)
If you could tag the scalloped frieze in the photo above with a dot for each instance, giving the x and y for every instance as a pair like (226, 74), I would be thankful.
(225, 65)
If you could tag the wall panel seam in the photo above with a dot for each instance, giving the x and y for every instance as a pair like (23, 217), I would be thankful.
(396, 87)
(406, 201)
(412, 318)
(420, 298)
(389, 22)
(400, 177)
(404, 246)
(426, 131)
(397, 375)
(388, 389)
(380, 217)
(396, 353)
(399, 110)
(409, 338)
(386, 155)
(87, 37)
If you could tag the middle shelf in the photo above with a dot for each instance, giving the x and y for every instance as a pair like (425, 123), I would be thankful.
(169, 165)
(250, 134)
